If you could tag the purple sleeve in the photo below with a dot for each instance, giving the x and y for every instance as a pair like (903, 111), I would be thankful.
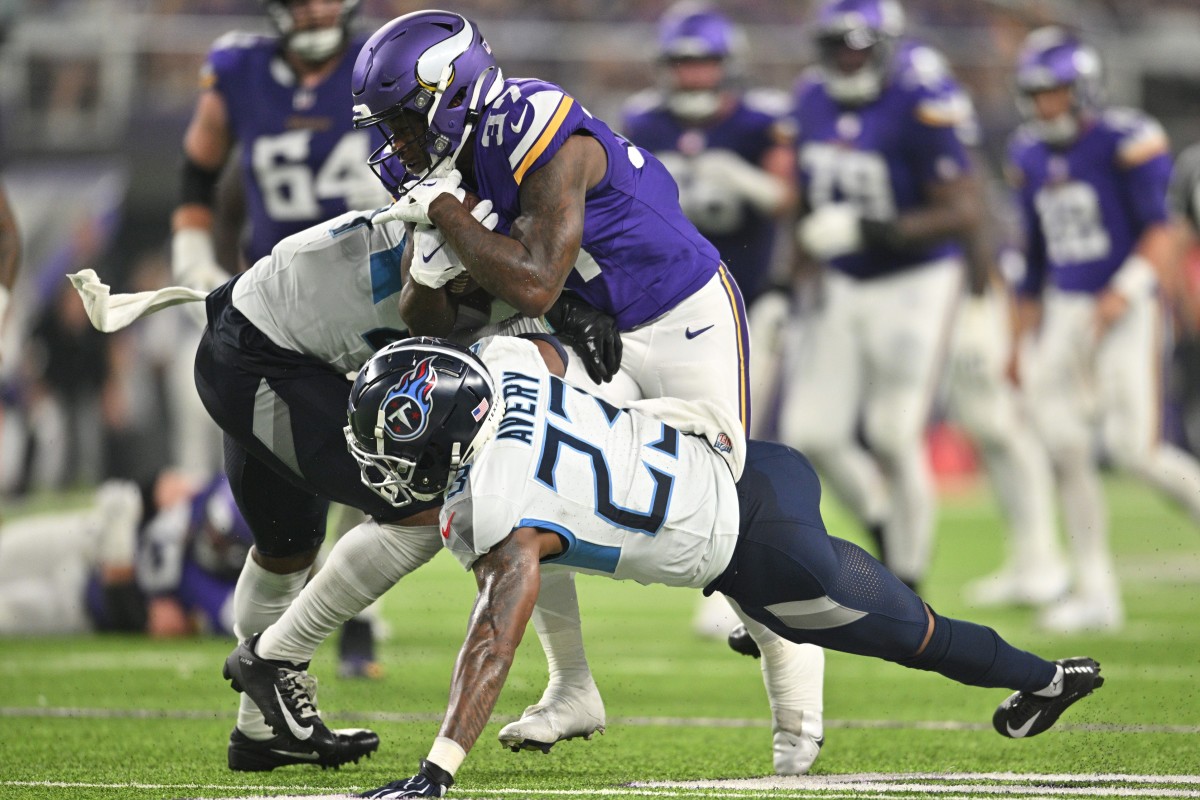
(1032, 280)
(1146, 190)
(939, 152)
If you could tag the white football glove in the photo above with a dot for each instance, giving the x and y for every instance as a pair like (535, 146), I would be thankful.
(833, 230)
(756, 186)
(434, 262)
(981, 340)
(414, 206)
(194, 260)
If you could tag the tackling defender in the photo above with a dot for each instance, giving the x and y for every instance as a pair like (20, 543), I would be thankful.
(539, 475)
(584, 216)
(1091, 183)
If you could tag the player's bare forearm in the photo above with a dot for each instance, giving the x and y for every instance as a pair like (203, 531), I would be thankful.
(1157, 245)
(508, 582)
(955, 209)
(10, 244)
(528, 268)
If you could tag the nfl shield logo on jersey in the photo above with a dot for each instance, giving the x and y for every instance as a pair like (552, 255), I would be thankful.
(406, 406)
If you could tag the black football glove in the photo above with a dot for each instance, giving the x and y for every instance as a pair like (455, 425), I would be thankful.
(431, 781)
(592, 333)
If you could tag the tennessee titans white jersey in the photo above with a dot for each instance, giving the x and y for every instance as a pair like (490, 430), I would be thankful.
(632, 498)
(330, 292)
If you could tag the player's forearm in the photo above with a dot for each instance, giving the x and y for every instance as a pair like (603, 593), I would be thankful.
(508, 587)
(10, 245)
(426, 312)
(501, 264)
(955, 218)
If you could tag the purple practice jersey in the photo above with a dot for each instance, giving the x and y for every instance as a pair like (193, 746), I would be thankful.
(743, 235)
(640, 256)
(301, 159)
(883, 155)
(1085, 206)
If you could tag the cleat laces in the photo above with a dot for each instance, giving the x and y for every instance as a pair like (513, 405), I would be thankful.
(300, 689)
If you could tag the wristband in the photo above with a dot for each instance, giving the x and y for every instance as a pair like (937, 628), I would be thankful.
(1136, 278)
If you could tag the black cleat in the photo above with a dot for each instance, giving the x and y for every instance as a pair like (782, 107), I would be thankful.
(287, 696)
(740, 641)
(1026, 714)
(251, 755)
(356, 651)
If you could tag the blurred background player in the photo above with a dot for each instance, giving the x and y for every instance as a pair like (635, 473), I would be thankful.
(282, 103)
(730, 151)
(1092, 184)
(1184, 290)
(888, 193)
(165, 564)
(10, 258)
(588, 220)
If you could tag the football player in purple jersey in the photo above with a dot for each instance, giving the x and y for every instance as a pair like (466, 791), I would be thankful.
(1091, 182)
(10, 259)
(889, 199)
(730, 150)
(585, 216)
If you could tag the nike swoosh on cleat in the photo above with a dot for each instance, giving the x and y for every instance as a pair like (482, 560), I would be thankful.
(691, 334)
(432, 253)
(1019, 733)
(294, 754)
(299, 731)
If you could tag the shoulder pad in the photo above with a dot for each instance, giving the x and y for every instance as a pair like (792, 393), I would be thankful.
(642, 102)
(240, 40)
(524, 120)
(772, 102)
(1140, 137)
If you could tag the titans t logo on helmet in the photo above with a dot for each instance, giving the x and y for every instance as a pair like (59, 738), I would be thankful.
(406, 406)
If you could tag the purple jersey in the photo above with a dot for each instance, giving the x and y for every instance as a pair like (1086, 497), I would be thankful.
(1085, 206)
(743, 235)
(301, 159)
(640, 256)
(882, 156)
(193, 553)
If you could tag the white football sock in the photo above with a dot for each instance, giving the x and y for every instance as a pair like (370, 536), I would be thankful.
(794, 676)
(259, 599)
(362, 565)
(556, 620)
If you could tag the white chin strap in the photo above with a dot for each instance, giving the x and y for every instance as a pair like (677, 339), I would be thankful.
(861, 86)
(318, 45)
(694, 103)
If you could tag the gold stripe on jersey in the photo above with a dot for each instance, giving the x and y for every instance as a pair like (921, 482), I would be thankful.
(739, 325)
(544, 140)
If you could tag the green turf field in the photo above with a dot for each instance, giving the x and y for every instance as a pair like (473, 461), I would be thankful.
(127, 718)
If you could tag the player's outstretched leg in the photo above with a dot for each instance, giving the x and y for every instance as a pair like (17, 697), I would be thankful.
(287, 696)
(1026, 714)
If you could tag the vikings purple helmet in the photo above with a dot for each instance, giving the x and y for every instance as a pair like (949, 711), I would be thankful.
(692, 30)
(858, 26)
(221, 537)
(1051, 58)
(432, 64)
(695, 31)
(316, 45)
(419, 410)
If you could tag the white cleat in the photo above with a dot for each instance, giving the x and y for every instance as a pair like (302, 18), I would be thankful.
(564, 712)
(1019, 587)
(1078, 614)
(794, 753)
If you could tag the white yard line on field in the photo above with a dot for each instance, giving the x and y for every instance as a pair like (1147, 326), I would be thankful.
(637, 722)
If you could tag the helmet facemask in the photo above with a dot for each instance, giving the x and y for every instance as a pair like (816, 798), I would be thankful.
(448, 77)
(311, 46)
(420, 414)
